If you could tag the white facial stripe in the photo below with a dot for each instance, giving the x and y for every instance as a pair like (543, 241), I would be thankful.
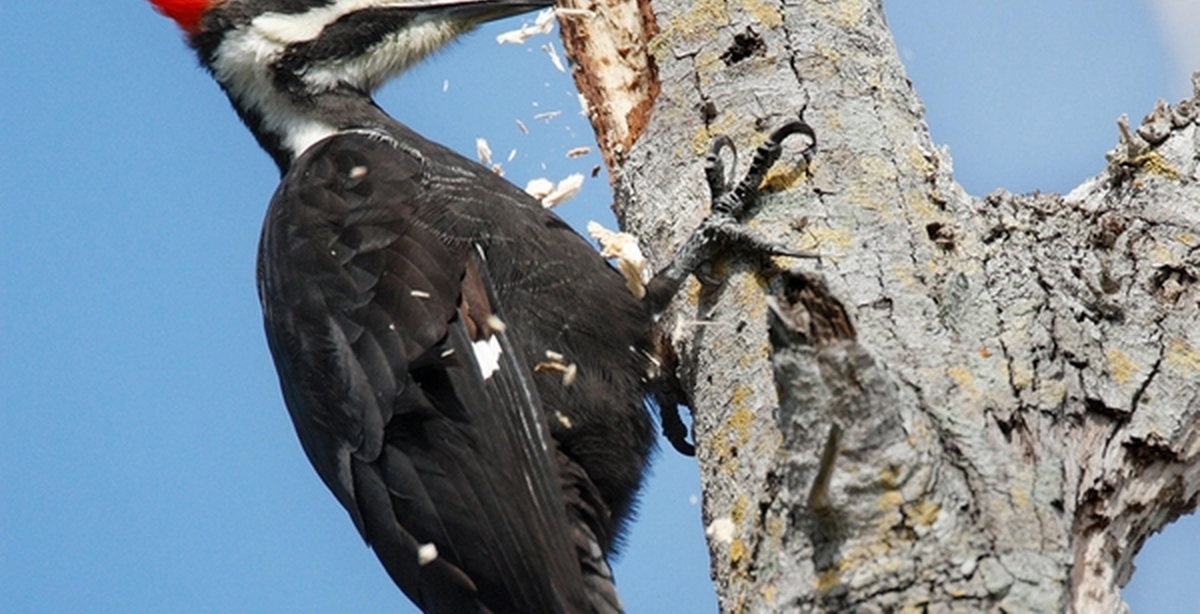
(298, 28)
(487, 354)
(241, 64)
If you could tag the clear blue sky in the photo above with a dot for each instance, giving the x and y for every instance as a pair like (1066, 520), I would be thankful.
(146, 461)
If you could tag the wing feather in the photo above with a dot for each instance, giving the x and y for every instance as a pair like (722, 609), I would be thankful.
(367, 315)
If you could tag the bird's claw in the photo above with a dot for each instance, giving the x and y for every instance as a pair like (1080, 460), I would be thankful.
(723, 228)
(736, 200)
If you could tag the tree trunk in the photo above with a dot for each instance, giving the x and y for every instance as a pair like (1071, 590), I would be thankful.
(965, 403)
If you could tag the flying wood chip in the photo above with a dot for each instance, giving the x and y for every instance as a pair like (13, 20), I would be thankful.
(630, 260)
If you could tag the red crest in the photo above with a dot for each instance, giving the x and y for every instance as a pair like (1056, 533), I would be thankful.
(186, 13)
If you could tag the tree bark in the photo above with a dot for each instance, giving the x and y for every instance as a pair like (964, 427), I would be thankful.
(966, 404)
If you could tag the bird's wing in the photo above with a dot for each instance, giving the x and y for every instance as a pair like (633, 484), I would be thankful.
(406, 390)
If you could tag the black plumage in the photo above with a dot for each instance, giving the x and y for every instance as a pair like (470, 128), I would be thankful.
(374, 258)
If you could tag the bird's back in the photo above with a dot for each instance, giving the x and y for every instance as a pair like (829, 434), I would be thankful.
(392, 271)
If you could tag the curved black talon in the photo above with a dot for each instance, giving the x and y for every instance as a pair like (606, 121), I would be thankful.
(676, 431)
(714, 169)
(735, 202)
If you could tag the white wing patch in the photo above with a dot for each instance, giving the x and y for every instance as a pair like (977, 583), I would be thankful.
(427, 554)
(487, 354)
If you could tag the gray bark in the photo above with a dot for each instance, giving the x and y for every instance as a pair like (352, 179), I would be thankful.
(967, 404)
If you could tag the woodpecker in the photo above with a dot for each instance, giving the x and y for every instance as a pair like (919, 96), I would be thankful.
(408, 296)
(422, 311)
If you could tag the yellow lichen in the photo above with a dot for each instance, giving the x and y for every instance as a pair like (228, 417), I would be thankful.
(750, 358)
(1021, 376)
(877, 169)
(889, 477)
(723, 449)
(964, 379)
(769, 592)
(922, 513)
(1182, 356)
(1052, 393)
(740, 422)
(1121, 367)
(1153, 163)
(1019, 496)
(740, 506)
(824, 238)
(847, 13)
(903, 274)
(660, 44)
(701, 18)
(694, 287)
(827, 580)
(862, 194)
(785, 176)
(707, 63)
(767, 14)
(919, 161)
(739, 554)
(1160, 255)
(923, 206)
(748, 293)
(890, 500)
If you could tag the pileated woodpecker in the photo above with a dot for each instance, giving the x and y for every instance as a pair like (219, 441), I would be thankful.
(407, 293)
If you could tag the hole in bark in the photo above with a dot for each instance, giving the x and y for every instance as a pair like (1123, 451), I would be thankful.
(997, 232)
(1152, 449)
(1096, 406)
(884, 303)
(940, 234)
(1171, 282)
(808, 309)
(1108, 231)
(1005, 429)
(1108, 284)
(746, 44)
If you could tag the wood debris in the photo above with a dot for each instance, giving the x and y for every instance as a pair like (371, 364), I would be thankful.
(624, 248)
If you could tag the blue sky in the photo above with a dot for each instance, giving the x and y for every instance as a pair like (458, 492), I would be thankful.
(146, 461)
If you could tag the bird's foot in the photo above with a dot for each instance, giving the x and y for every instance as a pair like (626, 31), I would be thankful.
(724, 228)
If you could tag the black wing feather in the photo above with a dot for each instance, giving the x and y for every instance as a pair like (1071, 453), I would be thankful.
(363, 306)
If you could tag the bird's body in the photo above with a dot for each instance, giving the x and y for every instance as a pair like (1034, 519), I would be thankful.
(409, 297)
(367, 266)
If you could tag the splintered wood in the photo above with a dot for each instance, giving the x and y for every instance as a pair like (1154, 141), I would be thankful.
(608, 44)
